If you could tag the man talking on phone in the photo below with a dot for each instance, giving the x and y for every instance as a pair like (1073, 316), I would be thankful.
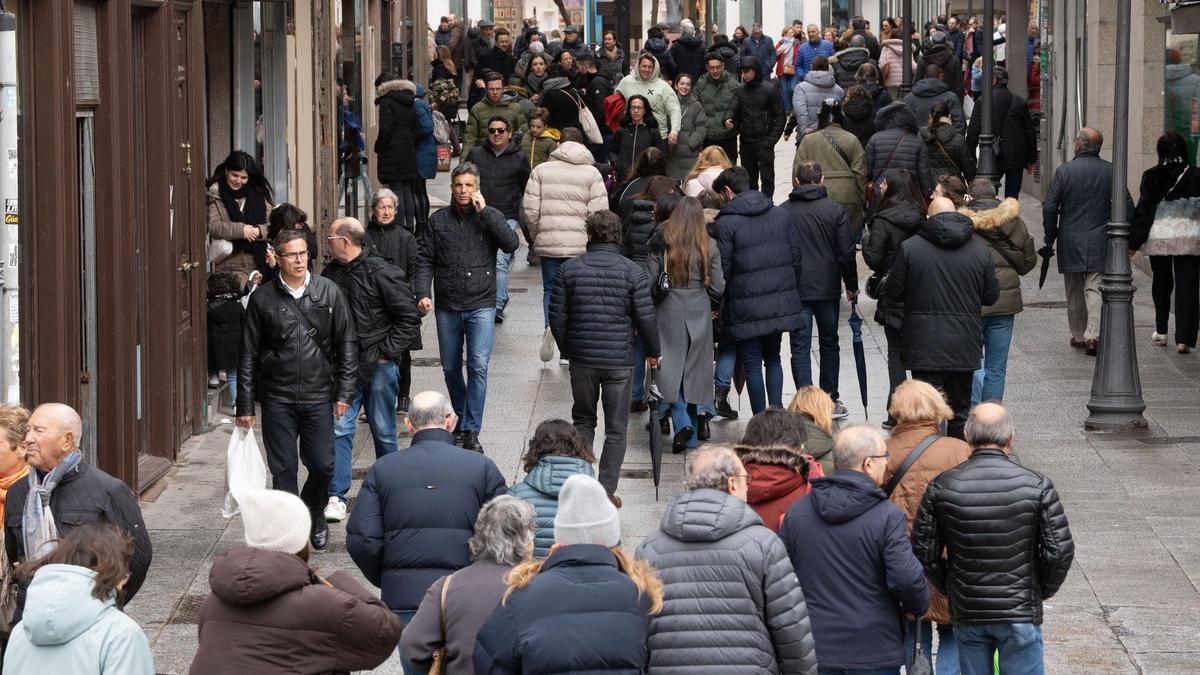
(300, 362)
(458, 271)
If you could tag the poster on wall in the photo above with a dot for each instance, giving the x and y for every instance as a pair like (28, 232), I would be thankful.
(507, 14)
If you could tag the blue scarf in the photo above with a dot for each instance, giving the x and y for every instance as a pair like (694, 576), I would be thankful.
(37, 520)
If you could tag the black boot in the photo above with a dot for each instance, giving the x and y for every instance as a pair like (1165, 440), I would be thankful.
(664, 425)
(722, 401)
(703, 433)
(681, 439)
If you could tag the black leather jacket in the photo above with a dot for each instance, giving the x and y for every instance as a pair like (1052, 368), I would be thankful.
(1005, 536)
(280, 362)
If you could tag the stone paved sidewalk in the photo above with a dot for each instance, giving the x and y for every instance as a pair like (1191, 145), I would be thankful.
(1130, 603)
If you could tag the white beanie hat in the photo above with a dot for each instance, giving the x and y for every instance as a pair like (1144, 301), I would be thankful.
(585, 514)
(275, 520)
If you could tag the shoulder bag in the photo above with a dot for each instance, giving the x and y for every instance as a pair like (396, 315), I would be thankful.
(591, 130)
(872, 188)
(439, 654)
(1176, 227)
(909, 461)
(309, 330)
(946, 154)
(661, 288)
(838, 149)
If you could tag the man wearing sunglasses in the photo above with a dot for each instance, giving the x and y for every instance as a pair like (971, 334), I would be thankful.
(503, 172)
(299, 361)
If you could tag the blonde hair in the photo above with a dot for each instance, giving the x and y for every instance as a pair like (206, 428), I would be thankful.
(917, 401)
(639, 571)
(15, 421)
(713, 155)
(816, 405)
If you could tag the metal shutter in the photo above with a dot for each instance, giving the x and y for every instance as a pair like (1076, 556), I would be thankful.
(87, 61)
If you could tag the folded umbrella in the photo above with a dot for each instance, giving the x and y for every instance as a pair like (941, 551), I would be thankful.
(860, 356)
(1047, 252)
(654, 398)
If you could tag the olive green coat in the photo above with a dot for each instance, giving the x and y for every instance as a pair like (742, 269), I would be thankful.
(846, 184)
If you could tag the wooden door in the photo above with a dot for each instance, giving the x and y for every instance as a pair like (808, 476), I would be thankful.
(185, 224)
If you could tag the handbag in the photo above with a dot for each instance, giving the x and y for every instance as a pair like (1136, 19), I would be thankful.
(662, 287)
(1176, 227)
(921, 664)
(587, 121)
(909, 461)
(219, 249)
(439, 654)
(875, 284)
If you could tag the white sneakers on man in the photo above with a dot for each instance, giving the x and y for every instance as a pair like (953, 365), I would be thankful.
(335, 512)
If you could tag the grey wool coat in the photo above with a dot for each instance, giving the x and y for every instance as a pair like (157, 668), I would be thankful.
(681, 157)
(731, 601)
(685, 328)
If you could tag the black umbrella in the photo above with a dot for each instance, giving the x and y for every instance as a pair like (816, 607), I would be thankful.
(1047, 252)
(653, 398)
(860, 357)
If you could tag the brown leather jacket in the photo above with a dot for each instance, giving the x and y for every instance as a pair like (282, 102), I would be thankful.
(945, 453)
(269, 613)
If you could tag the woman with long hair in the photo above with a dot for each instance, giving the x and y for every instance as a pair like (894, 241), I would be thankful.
(711, 162)
(650, 163)
(585, 608)
(683, 251)
(535, 77)
(682, 155)
(639, 131)
(944, 143)
(442, 67)
(900, 214)
(556, 452)
(239, 205)
(815, 406)
(644, 213)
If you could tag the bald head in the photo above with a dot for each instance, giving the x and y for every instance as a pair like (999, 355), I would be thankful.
(54, 431)
(430, 410)
(351, 229)
(1088, 140)
(990, 426)
(940, 205)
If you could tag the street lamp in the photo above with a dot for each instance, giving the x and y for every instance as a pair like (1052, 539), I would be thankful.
(987, 149)
(906, 30)
(1116, 403)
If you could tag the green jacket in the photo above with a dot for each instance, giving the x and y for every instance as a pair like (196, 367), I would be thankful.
(477, 122)
(846, 185)
(716, 96)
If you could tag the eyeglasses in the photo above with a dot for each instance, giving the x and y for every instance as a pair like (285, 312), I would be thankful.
(743, 475)
(497, 132)
(886, 455)
(298, 255)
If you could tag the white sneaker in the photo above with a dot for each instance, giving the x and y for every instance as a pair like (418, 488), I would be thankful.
(564, 362)
(547, 351)
(1159, 339)
(839, 411)
(335, 512)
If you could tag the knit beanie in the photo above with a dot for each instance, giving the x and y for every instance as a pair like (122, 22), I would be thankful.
(275, 520)
(585, 514)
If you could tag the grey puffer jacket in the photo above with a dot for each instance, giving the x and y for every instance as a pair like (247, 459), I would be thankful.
(817, 86)
(732, 602)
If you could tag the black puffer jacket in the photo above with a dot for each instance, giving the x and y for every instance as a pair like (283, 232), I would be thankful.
(687, 53)
(886, 232)
(927, 93)
(386, 319)
(458, 258)
(280, 362)
(896, 145)
(728, 54)
(943, 278)
(502, 177)
(993, 575)
(859, 119)
(397, 245)
(845, 67)
(599, 299)
(396, 145)
(761, 263)
(639, 227)
(943, 55)
(825, 243)
(756, 108)
(948, 153)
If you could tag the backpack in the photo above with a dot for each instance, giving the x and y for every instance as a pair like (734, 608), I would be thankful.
(441, 128)
(614, 110)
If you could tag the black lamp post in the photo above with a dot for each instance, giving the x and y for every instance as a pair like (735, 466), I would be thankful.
(987, 151)
(906, 30)
(1116, 402)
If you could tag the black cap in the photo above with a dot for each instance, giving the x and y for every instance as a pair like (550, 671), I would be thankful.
(571, 29)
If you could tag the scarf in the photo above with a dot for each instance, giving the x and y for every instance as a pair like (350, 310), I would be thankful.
(7, 482)
(37, 520)
(252, 212)
(535, 82)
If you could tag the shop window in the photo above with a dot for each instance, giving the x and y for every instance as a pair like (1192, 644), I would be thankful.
(1181, 89)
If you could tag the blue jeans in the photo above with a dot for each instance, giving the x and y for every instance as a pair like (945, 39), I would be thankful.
(503, 263)
(947, 656)
(988, 382)
(826, 314)
(756, 353)
(378, 398)
(474, 327)
(406, 618)
(549, 274)
(683, 416)
(1019, 644)
(722, 375)
(787, 86)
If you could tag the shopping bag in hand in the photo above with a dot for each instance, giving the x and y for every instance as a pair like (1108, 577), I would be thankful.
(244, 468)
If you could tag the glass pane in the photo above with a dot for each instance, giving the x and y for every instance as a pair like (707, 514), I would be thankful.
(1181, 91)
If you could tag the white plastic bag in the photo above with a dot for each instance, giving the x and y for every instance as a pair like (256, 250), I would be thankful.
(244, 468)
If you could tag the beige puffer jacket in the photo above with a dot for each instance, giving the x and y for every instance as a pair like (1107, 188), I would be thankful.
(559, 196)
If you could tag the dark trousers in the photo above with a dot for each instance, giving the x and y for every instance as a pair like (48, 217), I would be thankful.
(609, 387)
(825, 312)
(1178, 274)
(956, 385)
(1012, 182)
(896, 372)
(758, 157)
(729, 145)
(405, 375)
(284, 423)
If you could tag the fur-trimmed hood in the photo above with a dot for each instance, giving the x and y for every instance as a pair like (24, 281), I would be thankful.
(395, 85)
(989, 218)
(776, 455)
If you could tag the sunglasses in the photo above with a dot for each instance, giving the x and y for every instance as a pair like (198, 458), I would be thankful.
(497, 132)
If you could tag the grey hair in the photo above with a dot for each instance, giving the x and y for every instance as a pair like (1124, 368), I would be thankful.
(711, 467)
(382, 194)
(504, 531)
(429, 409)
(463, 169)
(991, 428)
(66, 417)
(1086, 144)
(854, 444)
(686, 29)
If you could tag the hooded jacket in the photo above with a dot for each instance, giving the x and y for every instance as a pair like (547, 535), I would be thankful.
(687, 53)
(65, 629)
(732, 603)
(639, 227)
(559, 196)
(777, 480)
(396, 144)
(943, 278)
(889, 228)
(727, 52)
(762, 275)
(693, 129)
(826, 243)
(716, 96)
(540, 488)
(948, 152)
(990, 575)
(859, 119)
(926, 93)
(658, 48)
(502, 176)
(849, 547)
(943, 55)
(269, 612)
(817, 86)
(845, 65)
(756, 108)
(896, 145)
(999, 225)
(663, 101)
